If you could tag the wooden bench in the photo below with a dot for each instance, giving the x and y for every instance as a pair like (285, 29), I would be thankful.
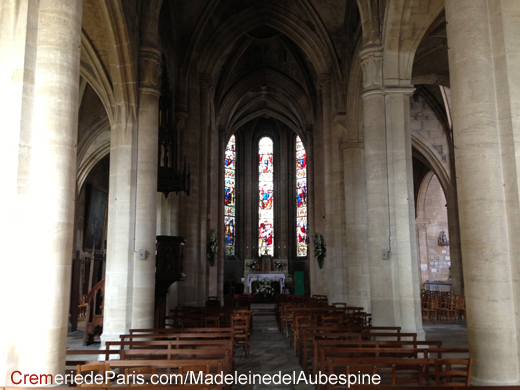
(319, 344)
(384, 364)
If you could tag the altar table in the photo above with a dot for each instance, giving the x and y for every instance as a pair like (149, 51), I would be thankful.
(280, 277)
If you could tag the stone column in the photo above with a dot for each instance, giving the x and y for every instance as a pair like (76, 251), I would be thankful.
(208, 201)
(192, 289)
(355, 215)
(40, 55)
(485, 86)
(146, 195)
(454, 236)
(390, 200)
(422, 249)
(329, 267)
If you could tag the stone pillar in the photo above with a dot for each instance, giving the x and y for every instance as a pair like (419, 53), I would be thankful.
(208, 201)
(329, 267)
(390, 201)
(422, 250)
(454, 236)
(40, 45)
(146, 195)
(192, 289)
(355, 215)
(485, 86)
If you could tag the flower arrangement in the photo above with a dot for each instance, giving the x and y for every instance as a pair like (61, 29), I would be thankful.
(319, 249)
(265, 288)
(252, 265)
(212, 247)
(278, 265)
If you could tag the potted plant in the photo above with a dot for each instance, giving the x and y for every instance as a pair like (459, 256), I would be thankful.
(264, 288)
(278, 265)
(252, 265)
(320, 251)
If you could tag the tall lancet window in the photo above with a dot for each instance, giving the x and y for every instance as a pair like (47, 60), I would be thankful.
(229, 207)
(265, 189)
(301, 198)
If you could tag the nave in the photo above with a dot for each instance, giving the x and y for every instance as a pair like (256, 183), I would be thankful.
(285, 340)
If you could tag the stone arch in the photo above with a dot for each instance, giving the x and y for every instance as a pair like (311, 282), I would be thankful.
(421, 196)
(432, 159)
(275, 17)
(400, 40)
(354, 105)
(122, 70)
(266, 77)
(369, 12)
(92, 149)
(277, 107)
(96, 75)
(262, 113)
(90, 162)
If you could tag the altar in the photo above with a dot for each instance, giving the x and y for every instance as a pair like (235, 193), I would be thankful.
(265, 268)
(272, 276)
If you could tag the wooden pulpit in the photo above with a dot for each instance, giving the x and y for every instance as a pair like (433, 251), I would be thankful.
(168, 269)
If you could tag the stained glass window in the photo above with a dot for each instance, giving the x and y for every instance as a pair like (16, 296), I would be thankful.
(229, 207)
(265, 189)
(301, 198)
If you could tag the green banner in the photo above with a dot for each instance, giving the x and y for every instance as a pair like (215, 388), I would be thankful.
(298, 283)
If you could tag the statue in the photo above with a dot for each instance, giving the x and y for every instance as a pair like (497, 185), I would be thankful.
(443, 239)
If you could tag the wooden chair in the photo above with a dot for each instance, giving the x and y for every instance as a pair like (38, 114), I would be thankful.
(449, 309)
(212, 322)
(240, 325)
(446, 374)
(131, 375)
(412, 374)
(95, 369)
(432, 308)
(461, 306)
(332, 320)
(362, 370)
(247, 312)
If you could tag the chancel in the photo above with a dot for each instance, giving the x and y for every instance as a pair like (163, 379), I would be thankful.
(243, 173)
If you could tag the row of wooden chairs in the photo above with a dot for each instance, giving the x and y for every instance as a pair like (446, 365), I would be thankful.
(177, 350)
(448, 372)
(443, 307)
(400, 361)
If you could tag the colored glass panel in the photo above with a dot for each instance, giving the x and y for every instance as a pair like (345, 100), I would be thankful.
(265, 189)
(229, 198)
(301, 199)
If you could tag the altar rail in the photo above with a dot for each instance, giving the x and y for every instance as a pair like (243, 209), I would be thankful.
(438, 286)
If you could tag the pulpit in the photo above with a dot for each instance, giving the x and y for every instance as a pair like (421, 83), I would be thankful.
(168, 269)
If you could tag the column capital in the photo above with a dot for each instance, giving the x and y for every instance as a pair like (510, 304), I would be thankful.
(205, 81)
(372, 66)
(324, 82)
(150, 69)
(406, 90)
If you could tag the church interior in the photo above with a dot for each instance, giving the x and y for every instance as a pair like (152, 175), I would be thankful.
(324, 170)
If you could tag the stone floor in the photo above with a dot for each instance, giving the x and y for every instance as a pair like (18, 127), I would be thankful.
(270, 353)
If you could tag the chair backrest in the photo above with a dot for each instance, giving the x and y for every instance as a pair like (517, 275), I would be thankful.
(95, 369)
(412, 374)
(361, 371)
(453, 372)
(131, 375)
